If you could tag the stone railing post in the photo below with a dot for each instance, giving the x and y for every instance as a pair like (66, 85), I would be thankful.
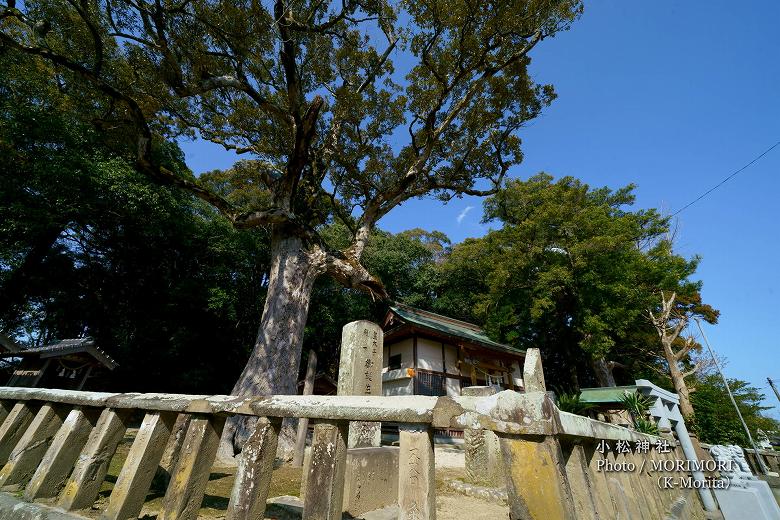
(580, 482)
(193, 466)
(326, 472)
(5, 409)
(537, 484)
(303, 423)
(61, 455)
(484, 464)
(140, 467)
(13, 427)
(772, 461)
(31, 447)
(605, 506)
(533, 374)
(416, 483)
(92, 464)
(255, 468)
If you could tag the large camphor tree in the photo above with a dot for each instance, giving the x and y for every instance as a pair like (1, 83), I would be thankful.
(342, 111)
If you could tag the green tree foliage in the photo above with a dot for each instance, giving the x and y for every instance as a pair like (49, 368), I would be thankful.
(571, 271)
(88, 246)
(309, 93)
(717, 422)
(162, 281)
(166, 285)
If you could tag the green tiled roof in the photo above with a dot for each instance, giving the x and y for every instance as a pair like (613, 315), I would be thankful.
(605, 395)
(451, 327)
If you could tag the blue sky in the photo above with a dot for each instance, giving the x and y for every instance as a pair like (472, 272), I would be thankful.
(673, 97)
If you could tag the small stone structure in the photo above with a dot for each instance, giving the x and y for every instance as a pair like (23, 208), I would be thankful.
(746, 495)
(371, 474)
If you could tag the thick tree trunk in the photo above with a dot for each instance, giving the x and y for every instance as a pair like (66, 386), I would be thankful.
(603, 372)
(678, 380)
(272, 368)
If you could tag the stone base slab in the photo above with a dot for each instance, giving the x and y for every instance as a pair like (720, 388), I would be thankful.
(496, 495)
(754, 502)
(291, 508)
(12, 508)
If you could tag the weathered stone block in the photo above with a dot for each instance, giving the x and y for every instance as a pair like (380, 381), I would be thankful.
(255, 469)
(61, 456)
(580, 482)
(32, 446)
(484, 463)
(370, 478)
(326, 472)
(13, 427)
(132, 485)
(533, 374)
(536, 482)
(92, 464)
(191, 474)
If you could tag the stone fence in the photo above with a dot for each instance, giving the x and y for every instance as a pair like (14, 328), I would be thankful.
(56, 446)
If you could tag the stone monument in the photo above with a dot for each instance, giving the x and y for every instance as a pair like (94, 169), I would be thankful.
(360, 373)
(371, 472)
(746, 496)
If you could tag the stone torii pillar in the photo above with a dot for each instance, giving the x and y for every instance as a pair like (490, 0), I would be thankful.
(666, 410)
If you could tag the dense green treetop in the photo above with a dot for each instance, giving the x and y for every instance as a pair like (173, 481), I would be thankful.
(572, 270)
(717, 422)
(308, 92)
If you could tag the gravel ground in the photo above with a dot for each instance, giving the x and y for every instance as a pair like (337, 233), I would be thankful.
(449, 457)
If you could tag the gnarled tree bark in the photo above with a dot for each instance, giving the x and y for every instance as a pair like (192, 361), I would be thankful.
(272, 367)
(603, 371)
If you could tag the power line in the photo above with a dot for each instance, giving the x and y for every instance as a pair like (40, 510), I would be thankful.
(724, 181)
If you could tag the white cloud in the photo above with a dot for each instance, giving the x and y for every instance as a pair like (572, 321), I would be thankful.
(463, 214)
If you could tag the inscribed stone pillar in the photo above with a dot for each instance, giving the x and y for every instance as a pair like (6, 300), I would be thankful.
(533, 373)
(416, 481)
(360, 373)
(484, 464)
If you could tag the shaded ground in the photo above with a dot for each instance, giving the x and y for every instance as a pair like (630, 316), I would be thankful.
(286, 481)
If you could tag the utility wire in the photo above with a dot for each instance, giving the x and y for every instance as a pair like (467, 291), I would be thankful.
(724, 181)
